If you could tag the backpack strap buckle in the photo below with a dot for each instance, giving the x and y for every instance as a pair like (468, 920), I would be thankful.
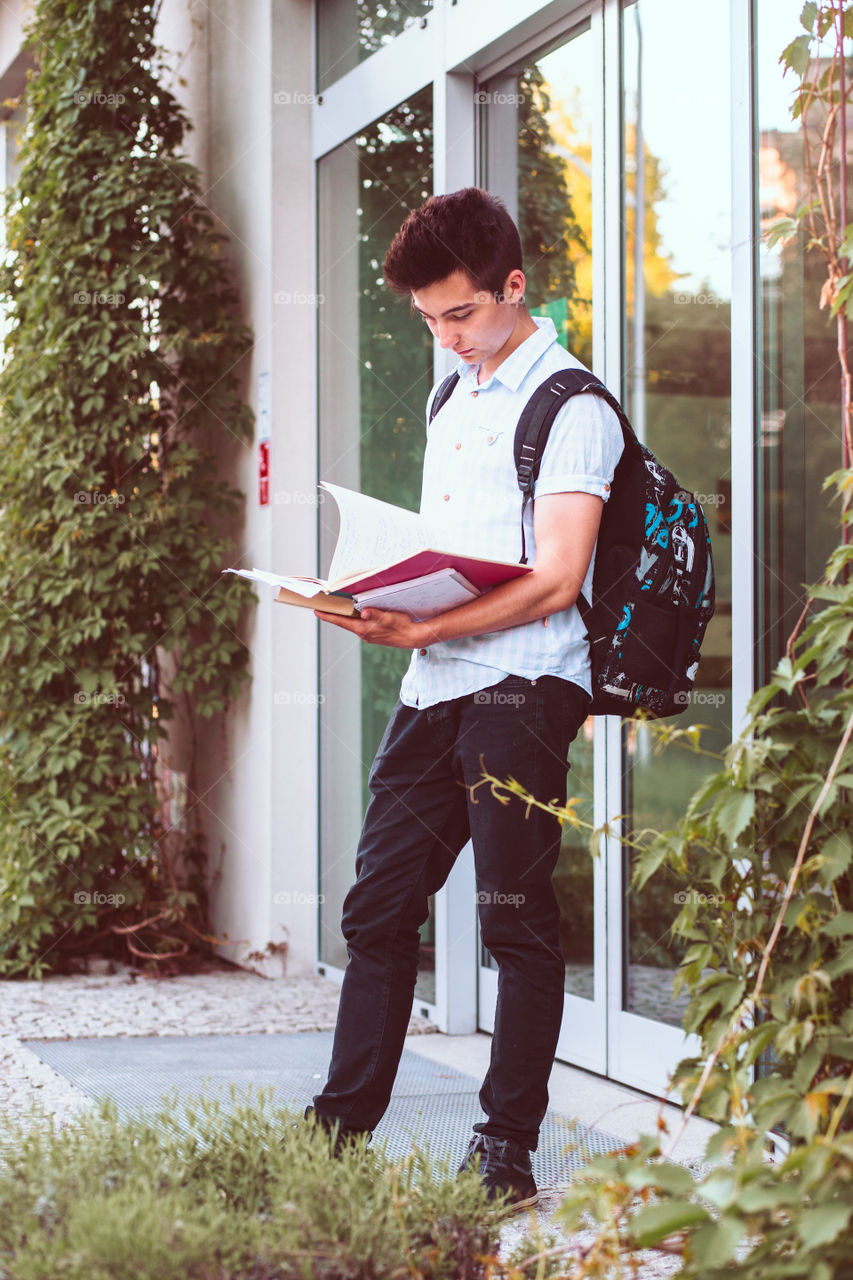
(525, 467)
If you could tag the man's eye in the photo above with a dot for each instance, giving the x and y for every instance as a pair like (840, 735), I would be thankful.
(430, 320)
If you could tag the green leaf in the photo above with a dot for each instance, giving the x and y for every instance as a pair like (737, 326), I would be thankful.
(787, 676)
(835, 856)
(840, 926)
(714, 1244)
(758, 1039)
(673, 1178)
(734, 813)
(783, 230)
(808, 17)
(769, 1195)
(796, 55)
(823, 1224)
(843, 296)
(720, 1188)
(657, 1221)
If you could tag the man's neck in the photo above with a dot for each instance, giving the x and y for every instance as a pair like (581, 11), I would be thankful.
(524, 329)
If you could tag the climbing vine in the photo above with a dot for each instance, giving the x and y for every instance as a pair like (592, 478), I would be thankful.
(119, 400)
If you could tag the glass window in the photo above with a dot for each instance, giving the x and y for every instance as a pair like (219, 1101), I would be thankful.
(799, 439)
(375, 376)
(348, 31)
(676, 218)
(538, 158)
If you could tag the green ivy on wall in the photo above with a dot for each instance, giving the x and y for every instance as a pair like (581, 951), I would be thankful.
(119, 389)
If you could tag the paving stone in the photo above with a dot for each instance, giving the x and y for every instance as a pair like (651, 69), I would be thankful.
(222, 1001)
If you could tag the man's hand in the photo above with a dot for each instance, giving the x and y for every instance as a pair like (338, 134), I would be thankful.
(381, 626)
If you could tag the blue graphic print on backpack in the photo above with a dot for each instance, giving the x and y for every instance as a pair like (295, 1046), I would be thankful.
(649, 658)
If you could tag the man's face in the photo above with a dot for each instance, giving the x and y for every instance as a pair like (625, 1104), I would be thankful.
(469, 321)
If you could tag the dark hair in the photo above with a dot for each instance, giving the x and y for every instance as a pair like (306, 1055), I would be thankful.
(468, 230)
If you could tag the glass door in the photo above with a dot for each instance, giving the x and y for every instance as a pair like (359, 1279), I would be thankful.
(626, 216)
(375, 374)
(676, 233)
(539, 153)
(639, 287)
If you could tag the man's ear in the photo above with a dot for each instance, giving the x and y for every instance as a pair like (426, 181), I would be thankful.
(514, 287)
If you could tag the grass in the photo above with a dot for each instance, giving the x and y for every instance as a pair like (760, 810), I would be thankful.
(229, 1190)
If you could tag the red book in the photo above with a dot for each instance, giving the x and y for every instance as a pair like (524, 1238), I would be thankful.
(380, 545)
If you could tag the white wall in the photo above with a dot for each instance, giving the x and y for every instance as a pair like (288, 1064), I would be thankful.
(258, 774)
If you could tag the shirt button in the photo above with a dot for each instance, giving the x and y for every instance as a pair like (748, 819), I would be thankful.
(475, 393)
(446, 498)
(491, 439)
(459, 446)
(422, 652)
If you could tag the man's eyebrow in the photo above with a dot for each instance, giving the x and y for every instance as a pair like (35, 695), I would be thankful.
(460, 306)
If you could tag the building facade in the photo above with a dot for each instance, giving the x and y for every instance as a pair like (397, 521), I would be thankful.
(642, 146)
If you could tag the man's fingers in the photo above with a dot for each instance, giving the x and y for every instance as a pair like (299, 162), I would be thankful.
(348, 624)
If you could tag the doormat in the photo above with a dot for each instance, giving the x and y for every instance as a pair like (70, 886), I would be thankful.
(432, 1104)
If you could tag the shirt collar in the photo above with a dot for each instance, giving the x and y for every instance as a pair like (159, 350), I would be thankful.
(518, 364)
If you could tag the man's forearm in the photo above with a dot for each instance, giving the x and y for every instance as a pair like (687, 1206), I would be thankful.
(532, 597)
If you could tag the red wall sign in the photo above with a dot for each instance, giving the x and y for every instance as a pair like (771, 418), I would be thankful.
(264, 473)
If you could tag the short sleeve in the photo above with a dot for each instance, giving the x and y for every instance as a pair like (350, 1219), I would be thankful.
(584, 446)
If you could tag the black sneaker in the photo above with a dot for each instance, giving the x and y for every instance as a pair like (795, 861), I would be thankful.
(341, 1136)
(504, 1167)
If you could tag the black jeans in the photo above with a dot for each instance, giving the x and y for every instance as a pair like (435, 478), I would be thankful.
(421, 813)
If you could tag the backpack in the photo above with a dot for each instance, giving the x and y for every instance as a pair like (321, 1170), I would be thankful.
(653, 581)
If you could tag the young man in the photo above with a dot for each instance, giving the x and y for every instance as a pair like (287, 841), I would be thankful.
(502, 682)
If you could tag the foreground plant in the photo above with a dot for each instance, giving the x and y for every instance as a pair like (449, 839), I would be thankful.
(233, 1189)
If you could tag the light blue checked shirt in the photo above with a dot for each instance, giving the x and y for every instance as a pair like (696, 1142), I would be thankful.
(470, 488)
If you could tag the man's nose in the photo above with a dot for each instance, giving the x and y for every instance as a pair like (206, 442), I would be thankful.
(446, 336)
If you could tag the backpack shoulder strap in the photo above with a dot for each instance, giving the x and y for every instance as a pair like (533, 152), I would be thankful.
(443, 394)
(537, 418)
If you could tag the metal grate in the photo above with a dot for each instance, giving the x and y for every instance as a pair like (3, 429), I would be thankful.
(434, 1104)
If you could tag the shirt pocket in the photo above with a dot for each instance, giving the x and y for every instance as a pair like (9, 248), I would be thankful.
(487, 436)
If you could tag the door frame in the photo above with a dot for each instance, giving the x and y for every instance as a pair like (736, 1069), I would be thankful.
(459, 47)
